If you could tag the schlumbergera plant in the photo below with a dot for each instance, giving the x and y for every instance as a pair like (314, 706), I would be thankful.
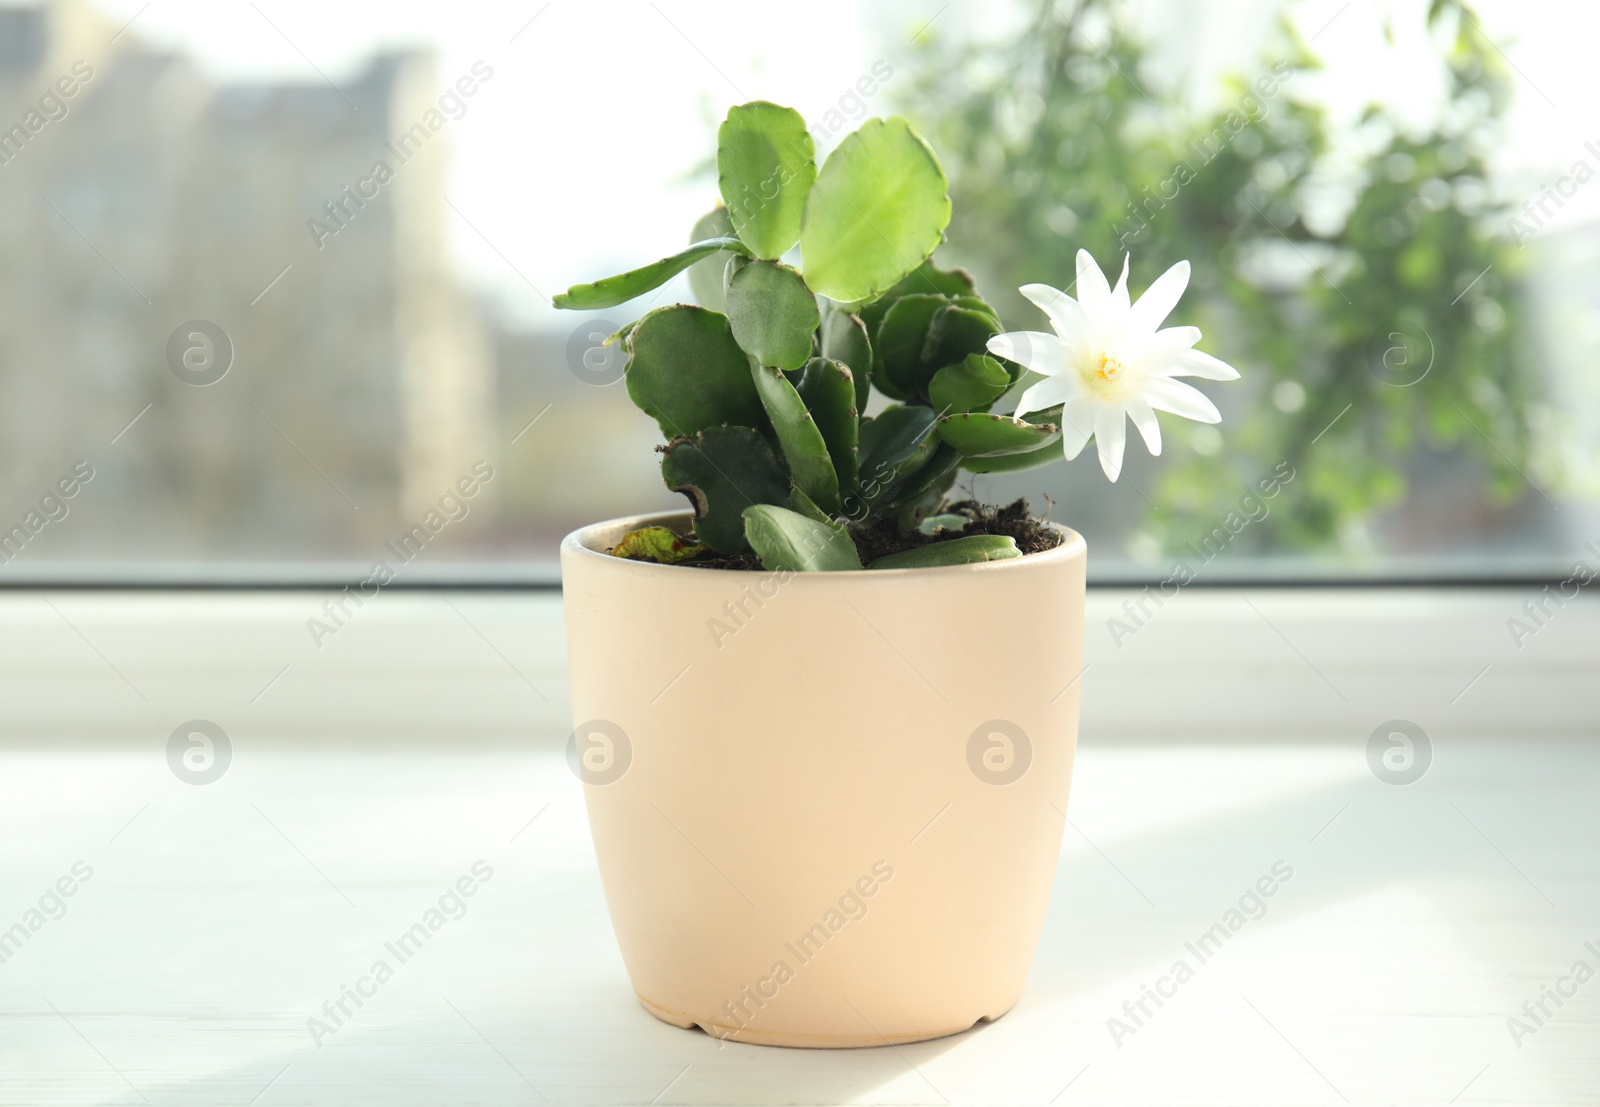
(762, 388)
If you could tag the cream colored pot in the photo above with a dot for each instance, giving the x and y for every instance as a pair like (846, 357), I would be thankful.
(827, 807)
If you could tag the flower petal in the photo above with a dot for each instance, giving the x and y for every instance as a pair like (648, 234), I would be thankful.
(1194, 363)
(1144, 418)
(1159, 300)
(1157, 354)
(1119, 294)
(1110, 436)
(1047, 393)
(1077, 424)
(1040, 351)
(1066, 314)
(1173, 339)
(1093, 292)
(1166, 394)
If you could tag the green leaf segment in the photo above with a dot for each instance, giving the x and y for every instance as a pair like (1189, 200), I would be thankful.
(762, 389)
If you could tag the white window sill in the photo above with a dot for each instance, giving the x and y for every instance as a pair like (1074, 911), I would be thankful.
(1208, 663)
(371, 774)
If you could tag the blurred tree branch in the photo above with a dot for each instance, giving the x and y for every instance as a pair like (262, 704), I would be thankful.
(1335, 282)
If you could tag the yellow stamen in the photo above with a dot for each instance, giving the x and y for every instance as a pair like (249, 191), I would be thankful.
(1107, 369)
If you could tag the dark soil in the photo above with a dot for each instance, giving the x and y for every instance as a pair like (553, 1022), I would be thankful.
(885, 536)
(710, 560)
(1031, 535)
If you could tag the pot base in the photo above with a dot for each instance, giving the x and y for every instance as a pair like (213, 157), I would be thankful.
(750, 1035)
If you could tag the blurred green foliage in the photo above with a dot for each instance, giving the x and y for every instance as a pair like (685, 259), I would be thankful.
(1329, 268)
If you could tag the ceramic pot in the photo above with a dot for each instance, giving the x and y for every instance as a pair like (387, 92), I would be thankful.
(827, 807)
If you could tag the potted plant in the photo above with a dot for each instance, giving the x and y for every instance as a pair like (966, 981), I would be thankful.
(826, 719)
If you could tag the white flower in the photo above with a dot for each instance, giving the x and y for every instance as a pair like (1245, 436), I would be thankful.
(1107, 360)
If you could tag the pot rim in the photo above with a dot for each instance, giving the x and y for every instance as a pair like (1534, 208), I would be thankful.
(579, 544)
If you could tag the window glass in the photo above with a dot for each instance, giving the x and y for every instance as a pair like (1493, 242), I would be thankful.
(275, 296)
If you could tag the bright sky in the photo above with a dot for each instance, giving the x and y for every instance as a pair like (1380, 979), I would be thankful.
(572, 158)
